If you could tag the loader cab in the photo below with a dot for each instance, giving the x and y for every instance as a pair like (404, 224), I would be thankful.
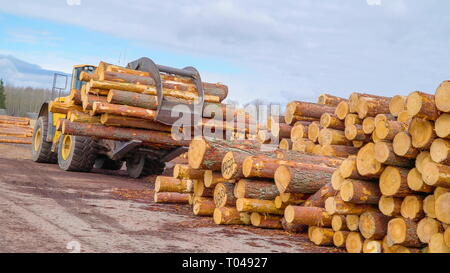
(77, 69)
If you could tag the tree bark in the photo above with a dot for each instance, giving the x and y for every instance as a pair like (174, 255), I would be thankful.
(230, 216)
(373, 225)
(302, 178)
(360, 192)
(311, 216)
(403, 231)
(171, 197)
(138, 123)
(422, 105)
(390, 206)
(256, 205)
(328, 99)
(331, 121)
(255, 189)
(182, 171)
(224, 195)
(318, 198)
(266, 221)
(384, 153)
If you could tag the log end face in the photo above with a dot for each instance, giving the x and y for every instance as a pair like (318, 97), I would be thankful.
(390, 181)
(442, 97)
(413, 103)
(282, 177)
(354, 242)
(430, 173)
(397, 230)
(342, 109)
(442, 126)
(196, 153)
(442, 207)
(439, 150)
(247, 166)
(346, 191)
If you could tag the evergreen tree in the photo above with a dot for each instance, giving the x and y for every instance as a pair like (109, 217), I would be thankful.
(2, 96)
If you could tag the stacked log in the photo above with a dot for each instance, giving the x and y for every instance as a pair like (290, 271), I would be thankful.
(15, 130)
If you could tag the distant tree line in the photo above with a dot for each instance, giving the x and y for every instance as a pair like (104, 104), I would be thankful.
(20, 101)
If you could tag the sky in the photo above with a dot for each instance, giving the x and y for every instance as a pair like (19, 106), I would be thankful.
(277, 51)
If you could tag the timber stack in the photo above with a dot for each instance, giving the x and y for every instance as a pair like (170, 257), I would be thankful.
(15, 130)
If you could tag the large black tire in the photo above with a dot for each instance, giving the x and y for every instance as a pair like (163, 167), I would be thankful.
(144, 167)
(78, 155)
(41, 150)
(107, 164)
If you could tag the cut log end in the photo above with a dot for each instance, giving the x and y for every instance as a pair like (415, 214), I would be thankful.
(354, 242)
(442, 97)
(196, 153)
(426, 228)
(442, 126)
(397, 105)
(440, 151)
(342, 109)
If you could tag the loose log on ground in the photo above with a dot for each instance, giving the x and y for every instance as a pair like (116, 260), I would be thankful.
(402, 144)
(416, 183)
(303, 178)
(122, 134)
(360, 192)
(318, 199)
(354, 242)
(384, 153)
(422, 133)
(224, 195)
(397, 105)
(442, 208)
(171, 197)
(422, 105)
(335, 205)
(426, 228)
(204, 207)
(266, 221)
(352, 222)
(230, 216)
(442, 126)
(255, 189)
(412, 207)
(322, 236)
(171, 184)
(393, 182)
(256, 205)
(373, 225)
(403, 231)
(436, 175)
(390, 206)
(311, 216)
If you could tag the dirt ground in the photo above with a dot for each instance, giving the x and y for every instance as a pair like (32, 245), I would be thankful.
(44, 209)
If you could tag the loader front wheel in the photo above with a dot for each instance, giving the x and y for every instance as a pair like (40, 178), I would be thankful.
(41, 149)
(76, 153)
(142, 166)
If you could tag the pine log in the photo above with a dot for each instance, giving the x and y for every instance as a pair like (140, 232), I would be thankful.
(15, 140)
(122, 134)
(313, 131)
(366, 163)
(416, 183)
(132, 99)
(182, 171)
(203, 207)
(442, 126)
(384, 153)
(352, 222)
(422, 159)
(360, 192)
(306, 109)
(285, 144)
(442, 208)
(422, 133)
(293, 198)
(230, 216)
(412, 208)
(322, 236)
(352, 119)
(88, 100)
(208, 153)
(318, 199)
(266, 221)
(122, 121)
(171, 197)
(299, 131)
(438, 191)
(354, 242)
(335, 205)
(170, 184)
(292, 228)
(403, 231)
(256, 205)
(447, 236)
(340, 237)
(429, 206)
(440, 151)
(338, 223)
(426, 228)
(355, 132)
(393, 182)
(371, 107)
(280, 130)
(422, 105)
(332, 137)
(337, 180)
(348, 169)
(373, 225)
(372, 246)
(402, 145)
(442, 97)
(303, 145)
(311, 216)
(255, 189)
(437, 244)
(436, 175)
(331, 121)
(387, 130)
(397, 105)
(211, 179)
(384, 118)
(342, 110)
(201, 191)
(402, 249)
(302, 178)
(328, 99)
(404, 117)
(224, 195)
(390, 206)
(62, 108)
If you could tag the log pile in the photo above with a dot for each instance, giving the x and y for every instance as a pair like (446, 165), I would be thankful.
(368, 174)
(15, 130)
